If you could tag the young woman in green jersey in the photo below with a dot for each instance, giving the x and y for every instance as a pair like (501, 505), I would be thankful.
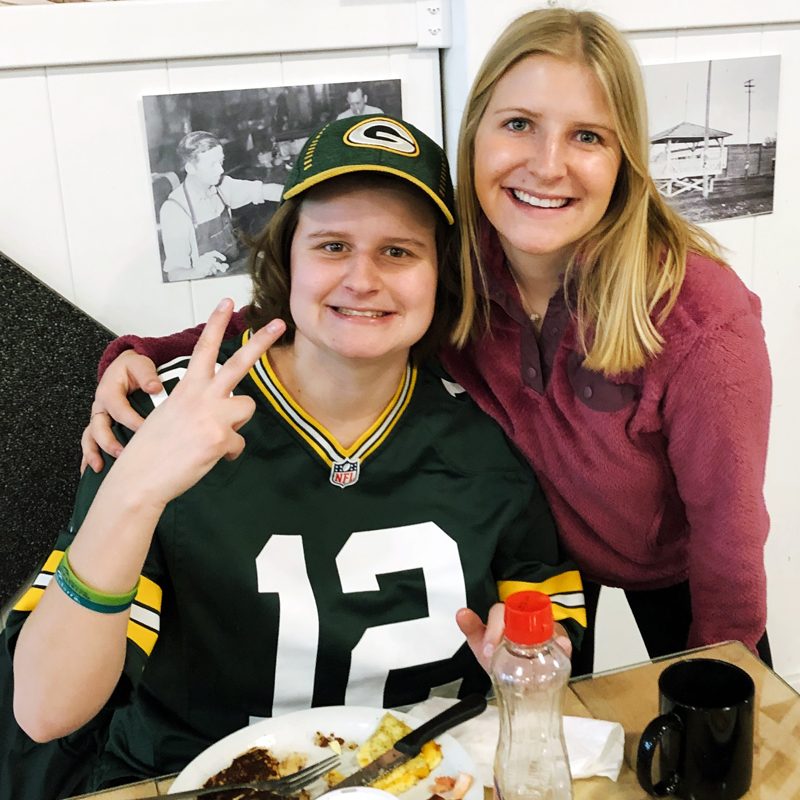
(307, 522)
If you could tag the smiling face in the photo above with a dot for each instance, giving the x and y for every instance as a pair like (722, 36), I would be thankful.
(546, 158)
(363, 271)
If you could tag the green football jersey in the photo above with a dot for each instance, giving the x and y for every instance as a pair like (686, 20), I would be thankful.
(304, 573)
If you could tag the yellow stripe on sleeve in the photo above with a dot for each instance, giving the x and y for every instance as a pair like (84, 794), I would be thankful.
(53, 560)
(149, 594)
(558, 584)
(565, 612)
(564, 583)
(144, 637)
(29, 600)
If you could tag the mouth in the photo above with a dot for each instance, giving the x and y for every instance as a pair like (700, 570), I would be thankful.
(356, 312)
(540, 202)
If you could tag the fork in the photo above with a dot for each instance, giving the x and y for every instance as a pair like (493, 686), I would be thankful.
(288, 785)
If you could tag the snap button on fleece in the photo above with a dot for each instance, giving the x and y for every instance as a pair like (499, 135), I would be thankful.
(597, 392)
(532, 372)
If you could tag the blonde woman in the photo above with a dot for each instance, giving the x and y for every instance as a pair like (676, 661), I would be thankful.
(607, 336)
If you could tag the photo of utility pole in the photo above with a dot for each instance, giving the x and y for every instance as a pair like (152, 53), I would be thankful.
(713, 135)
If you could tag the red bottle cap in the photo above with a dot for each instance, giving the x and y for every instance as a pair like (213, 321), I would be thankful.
(528, 617)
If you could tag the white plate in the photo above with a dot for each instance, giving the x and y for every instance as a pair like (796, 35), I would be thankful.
(294, 733)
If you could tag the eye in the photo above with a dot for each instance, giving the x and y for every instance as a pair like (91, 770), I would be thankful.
(396, 252)
(333, 247)
(518, 124)
(588, 137)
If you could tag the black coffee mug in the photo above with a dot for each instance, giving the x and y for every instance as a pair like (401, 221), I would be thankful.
(705, 730)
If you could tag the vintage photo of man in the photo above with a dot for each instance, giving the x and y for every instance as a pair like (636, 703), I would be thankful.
(218, 162)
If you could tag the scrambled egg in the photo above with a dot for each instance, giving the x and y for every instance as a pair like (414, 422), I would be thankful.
(402, 778)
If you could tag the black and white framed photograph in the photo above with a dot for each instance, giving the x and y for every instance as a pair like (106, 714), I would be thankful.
(218, 162)
(713, 135)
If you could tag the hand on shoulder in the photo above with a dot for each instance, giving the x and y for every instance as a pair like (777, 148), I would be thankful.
(182, 439)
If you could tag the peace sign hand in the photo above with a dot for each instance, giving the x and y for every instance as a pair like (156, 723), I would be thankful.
(182, 439)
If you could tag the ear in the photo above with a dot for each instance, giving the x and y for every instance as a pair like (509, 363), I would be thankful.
(190, 168)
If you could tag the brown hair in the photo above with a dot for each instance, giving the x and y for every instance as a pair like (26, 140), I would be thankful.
(195, 143)
(270, 265)
(636, 254)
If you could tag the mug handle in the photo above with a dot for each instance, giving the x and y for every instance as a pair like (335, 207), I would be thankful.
(647, 748)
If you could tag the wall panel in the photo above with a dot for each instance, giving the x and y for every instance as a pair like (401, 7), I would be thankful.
(32, 229)
(104, 172)
(737, 236)
(158, 29)
(777, 281)
(422, 97)
(657, 47)
(720, 43)
(219, 74)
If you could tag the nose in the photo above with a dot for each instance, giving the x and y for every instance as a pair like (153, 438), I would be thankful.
(549, 160)
(363, 274)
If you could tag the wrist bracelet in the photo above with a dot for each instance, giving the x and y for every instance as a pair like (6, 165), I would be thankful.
(102, 602)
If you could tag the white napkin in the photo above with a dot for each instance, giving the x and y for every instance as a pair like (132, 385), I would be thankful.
(594, 746)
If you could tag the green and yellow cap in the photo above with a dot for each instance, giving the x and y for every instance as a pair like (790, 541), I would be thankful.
(374, 143)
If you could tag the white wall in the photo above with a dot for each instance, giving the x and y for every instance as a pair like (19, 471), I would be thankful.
(760, 250)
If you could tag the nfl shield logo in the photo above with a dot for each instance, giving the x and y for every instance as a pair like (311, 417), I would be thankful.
(345, 473)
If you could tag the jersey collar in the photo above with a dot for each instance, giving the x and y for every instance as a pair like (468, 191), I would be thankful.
(322, 441)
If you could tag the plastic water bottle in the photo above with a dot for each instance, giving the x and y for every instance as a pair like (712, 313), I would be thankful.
(530, 673)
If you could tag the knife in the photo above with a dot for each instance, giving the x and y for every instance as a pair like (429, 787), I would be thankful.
(411, 744)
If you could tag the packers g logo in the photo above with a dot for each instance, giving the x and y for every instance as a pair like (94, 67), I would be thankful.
(382, 134)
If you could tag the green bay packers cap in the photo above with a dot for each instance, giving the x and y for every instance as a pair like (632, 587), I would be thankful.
(374, 143)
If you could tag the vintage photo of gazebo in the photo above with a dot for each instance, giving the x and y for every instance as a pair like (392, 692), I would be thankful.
(713, 135)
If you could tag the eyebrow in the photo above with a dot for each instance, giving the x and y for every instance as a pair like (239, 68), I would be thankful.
(343, 235)
(526, 112)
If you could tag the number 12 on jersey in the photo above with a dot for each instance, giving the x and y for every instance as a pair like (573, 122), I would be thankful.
(281, 569)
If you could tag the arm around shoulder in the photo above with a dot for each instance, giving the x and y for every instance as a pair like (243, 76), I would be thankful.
(162, 349)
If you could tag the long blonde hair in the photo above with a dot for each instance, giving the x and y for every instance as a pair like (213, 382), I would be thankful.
(636, 254)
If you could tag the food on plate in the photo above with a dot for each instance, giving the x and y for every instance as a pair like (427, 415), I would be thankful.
(463, 782)
(442, 784)
(257, 764)
(399, 780)
(454, 788)
(332, 778)
(334, 742)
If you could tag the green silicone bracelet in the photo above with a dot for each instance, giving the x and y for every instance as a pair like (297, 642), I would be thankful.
(78, 591)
